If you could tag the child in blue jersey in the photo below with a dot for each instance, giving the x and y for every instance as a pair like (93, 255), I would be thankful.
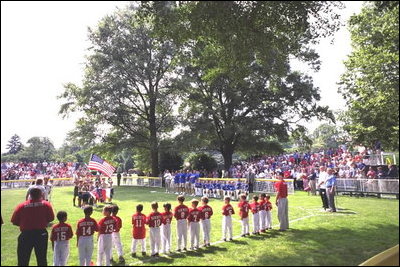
(182, 181)
(238, 190)
(192, 179)
(176, 182)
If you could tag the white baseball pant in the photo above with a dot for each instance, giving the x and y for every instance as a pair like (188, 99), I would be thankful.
(166, 237)
(134, 243)
(268, 219)
(85, 247)
(194, 234)
(256, 222)
(226, 226)
(61, 252)
(104, 247)
(263, 218)
(155, 240)
(245, 225)
(181, 231)
(206, 225)
(116, 239)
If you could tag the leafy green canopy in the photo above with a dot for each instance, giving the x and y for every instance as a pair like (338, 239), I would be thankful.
(371, 81)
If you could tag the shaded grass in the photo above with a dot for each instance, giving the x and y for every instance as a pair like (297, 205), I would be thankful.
(362, 228)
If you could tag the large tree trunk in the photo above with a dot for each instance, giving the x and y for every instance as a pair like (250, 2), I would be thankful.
(153, 140)
(227, 152)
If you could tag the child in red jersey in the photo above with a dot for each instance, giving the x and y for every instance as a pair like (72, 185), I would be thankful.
(268, 208)
(194, 227)
(206, 213)
(84, 233)
(106, 226)
(263, 212)
(116, 238)
(139, 230)
(61, 233)
(154, 220)
(181, 212)
(227, 211)
(255, 208)
(167, 216)
(244, 214)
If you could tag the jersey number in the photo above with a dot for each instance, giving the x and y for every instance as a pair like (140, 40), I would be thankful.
(138, 223)
(182, 215)
(157, 223)
(86, 232)
(61, 236)
(206, 215)
(109, 228)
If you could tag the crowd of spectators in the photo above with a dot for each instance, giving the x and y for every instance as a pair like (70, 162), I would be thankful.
(25, 170)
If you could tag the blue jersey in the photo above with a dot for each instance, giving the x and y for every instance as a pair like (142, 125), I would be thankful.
(176, 178)
(198, 185)
(187, 177)
(238, 186)
(193, 178)
(182, 178)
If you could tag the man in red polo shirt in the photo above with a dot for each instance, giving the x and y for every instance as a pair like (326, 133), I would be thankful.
(282, 203)
(32, 217)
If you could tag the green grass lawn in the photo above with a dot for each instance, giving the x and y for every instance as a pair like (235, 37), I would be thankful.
(362, 228)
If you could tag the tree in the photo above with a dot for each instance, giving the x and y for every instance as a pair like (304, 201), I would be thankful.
(14, 145)
(370, 84)
(201, 161)
(240, 86)
(38, 149)
(128, 82)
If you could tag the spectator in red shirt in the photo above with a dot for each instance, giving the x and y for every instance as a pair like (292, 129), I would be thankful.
(32, 217)
(282, 203)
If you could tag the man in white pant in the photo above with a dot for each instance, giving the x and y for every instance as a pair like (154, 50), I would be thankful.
(282, 203)
(167, 216)
(206, 213)
(227, 212)
(244, 214)
(60, 235)
(154, 220)
(181, 212)
(85, 231)
(194, 226)
(106, 227)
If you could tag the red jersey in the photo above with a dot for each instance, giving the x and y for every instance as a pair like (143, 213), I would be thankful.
(206, 212)
(244, 208)
(139, 229)
(107, 225)
(33, 215)
(281, 187)
(167, 217)
(227, 210)
(268, 205)
(86, 227)
(118, 225)
(154, 219)
(61, 232)
(194, 215)
(263, 204)
(255, 207)
(181, 212)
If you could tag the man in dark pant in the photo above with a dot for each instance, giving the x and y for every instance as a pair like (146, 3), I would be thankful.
(322, 192)
(32, 217)
(118, 179)
(28, 240)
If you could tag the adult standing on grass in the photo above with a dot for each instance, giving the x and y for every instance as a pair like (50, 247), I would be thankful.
(330, 189)
(32, 217)
(323, 176)
(118, 179)
(282, 203)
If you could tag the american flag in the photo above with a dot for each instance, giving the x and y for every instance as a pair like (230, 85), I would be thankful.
(97, 163)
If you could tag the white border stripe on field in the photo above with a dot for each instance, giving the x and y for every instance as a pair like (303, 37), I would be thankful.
(221, 241)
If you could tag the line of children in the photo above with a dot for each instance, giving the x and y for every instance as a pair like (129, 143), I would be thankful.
(109, 226)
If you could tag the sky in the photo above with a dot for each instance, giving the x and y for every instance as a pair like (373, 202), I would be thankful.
(43, 45)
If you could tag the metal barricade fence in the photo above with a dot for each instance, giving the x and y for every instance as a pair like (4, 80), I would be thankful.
(25, 183)
(145, 181)
(267, 186)
(378, 186)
